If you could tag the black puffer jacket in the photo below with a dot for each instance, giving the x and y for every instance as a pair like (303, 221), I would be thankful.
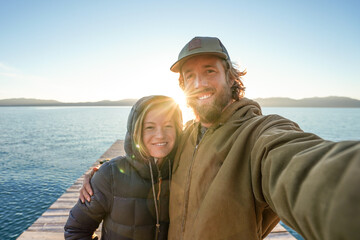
(123, 196)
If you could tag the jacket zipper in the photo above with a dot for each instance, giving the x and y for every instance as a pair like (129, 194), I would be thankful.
(156, 198)
(187, 188)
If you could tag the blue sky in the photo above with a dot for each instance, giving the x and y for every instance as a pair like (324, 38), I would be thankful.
(95, 50)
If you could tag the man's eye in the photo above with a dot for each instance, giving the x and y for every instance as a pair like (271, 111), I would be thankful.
(188, 77)
(210, 71)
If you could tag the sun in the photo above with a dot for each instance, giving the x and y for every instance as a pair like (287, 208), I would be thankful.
(187, 112)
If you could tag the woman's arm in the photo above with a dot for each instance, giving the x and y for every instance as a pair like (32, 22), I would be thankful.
(84, 218)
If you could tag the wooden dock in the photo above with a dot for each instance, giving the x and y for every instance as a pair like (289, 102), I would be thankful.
(50, 225)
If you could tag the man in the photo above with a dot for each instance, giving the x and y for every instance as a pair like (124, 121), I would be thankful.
(237, 172)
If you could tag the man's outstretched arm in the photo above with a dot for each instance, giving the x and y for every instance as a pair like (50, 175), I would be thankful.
(310, 183)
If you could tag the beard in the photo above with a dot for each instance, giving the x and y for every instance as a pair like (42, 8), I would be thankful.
(211, 112)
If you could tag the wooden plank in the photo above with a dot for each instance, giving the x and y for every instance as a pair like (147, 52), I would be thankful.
(279, 228)
(50, 225)
(280, 236)
(279, 232)
(34, 235)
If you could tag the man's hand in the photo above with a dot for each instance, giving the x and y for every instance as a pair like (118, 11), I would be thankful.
(86, 191)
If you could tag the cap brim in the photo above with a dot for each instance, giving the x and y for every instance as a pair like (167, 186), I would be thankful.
(176, 67)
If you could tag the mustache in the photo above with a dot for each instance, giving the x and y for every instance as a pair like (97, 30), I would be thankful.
(193, 93)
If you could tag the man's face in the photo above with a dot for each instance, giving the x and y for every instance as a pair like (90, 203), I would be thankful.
(206, 88)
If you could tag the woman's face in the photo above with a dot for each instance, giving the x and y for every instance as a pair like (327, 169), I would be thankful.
(159, 133)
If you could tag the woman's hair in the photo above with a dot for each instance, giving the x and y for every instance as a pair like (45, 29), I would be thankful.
(162, 104)
(232, 73)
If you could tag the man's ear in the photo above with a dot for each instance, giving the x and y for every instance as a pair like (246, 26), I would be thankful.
(229, 80)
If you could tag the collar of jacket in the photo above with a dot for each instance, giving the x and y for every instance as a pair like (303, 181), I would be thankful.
(143, 168)
(244, 108)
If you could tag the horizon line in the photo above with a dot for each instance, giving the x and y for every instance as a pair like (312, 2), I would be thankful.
(92, 101)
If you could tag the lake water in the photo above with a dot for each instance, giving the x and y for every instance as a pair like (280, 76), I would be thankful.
(43, 150)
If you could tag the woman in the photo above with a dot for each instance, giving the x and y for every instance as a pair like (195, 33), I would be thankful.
(131, 193)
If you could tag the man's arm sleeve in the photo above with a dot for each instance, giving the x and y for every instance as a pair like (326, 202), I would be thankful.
(312, 184)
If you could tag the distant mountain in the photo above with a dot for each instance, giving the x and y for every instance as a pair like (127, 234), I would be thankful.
(26, 102)
(335, 102)
(39, 102)
(338, 102)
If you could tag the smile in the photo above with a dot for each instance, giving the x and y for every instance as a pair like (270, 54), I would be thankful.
(206, 96)
(160, 144)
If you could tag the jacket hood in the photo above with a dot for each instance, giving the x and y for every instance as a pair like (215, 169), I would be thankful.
(244, 109)
(129, 145)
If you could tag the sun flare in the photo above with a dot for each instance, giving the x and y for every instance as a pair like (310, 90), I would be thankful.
(187, 112)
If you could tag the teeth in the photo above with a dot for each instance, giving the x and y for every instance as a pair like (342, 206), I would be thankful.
(204, 97)
(160, 144)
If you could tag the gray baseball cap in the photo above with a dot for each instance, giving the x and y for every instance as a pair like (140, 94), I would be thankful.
(200, 46)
